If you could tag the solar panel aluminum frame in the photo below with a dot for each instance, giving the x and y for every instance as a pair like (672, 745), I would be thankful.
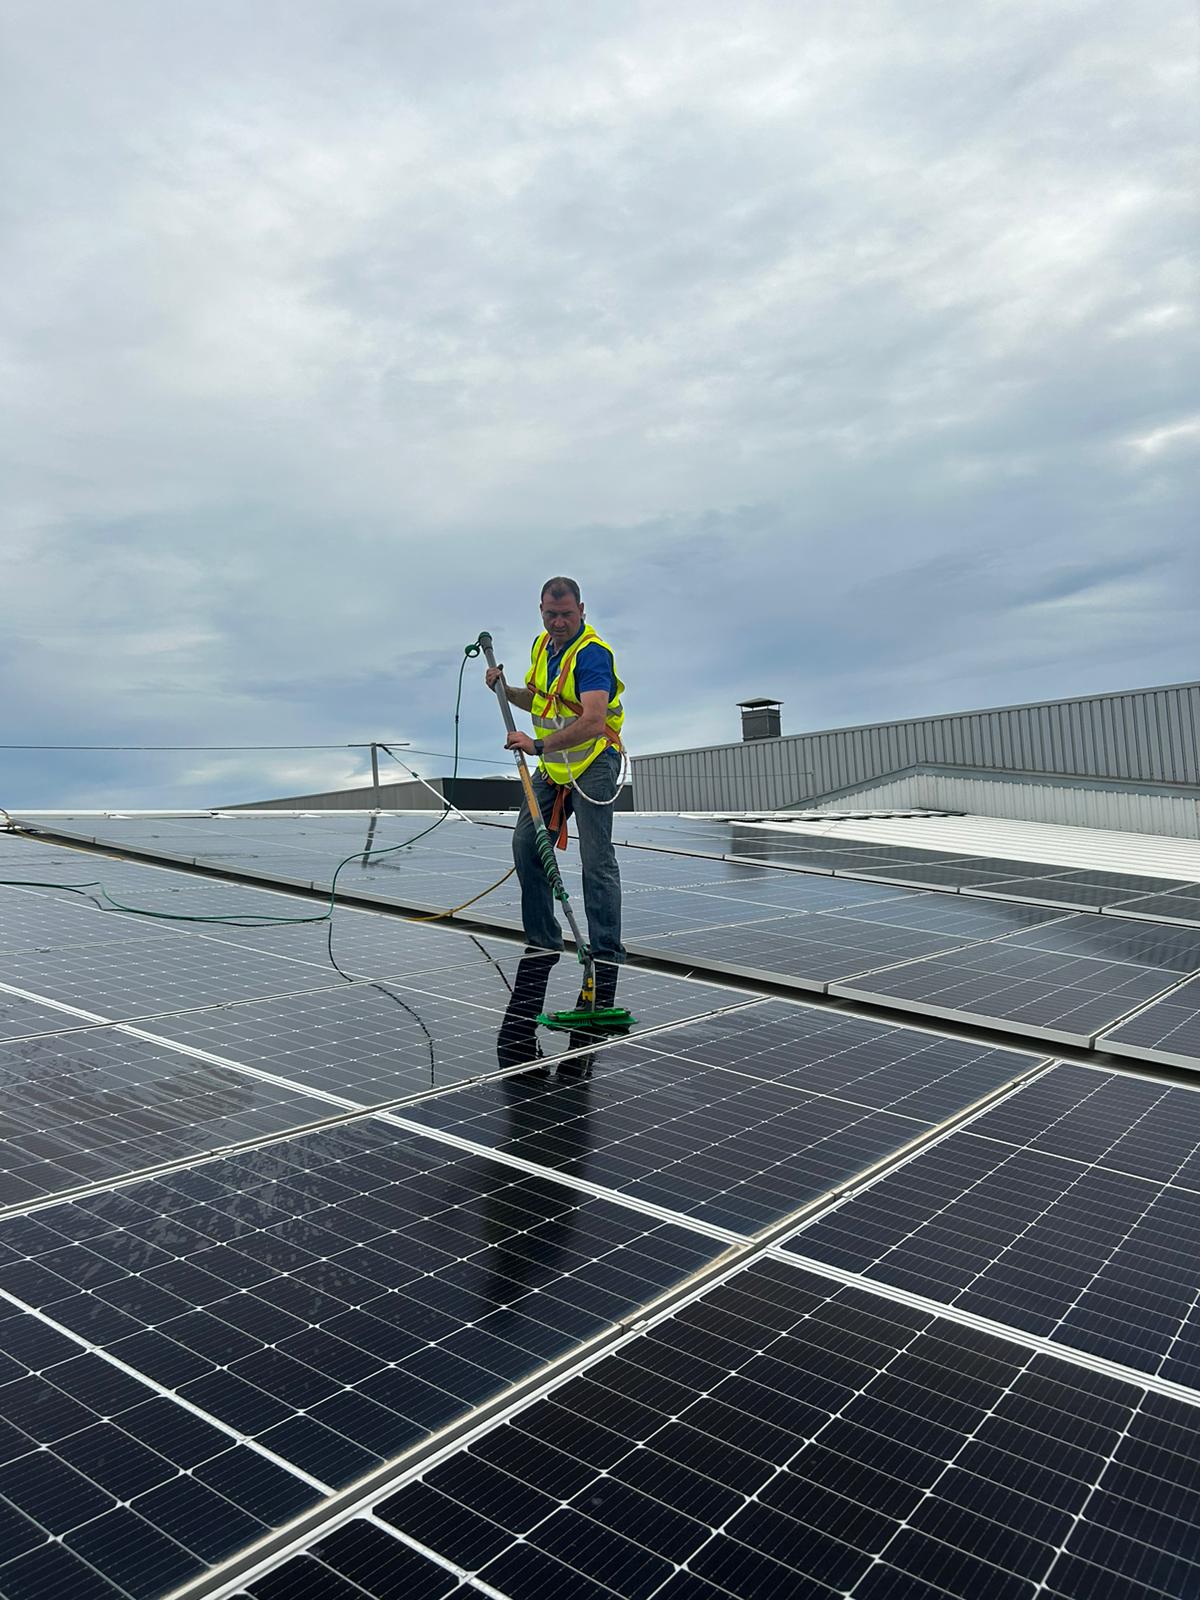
(1155, 1053)
(849, 989)
(1128, 909)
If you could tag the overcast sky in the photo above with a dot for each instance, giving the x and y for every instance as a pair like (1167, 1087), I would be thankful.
(845, 352)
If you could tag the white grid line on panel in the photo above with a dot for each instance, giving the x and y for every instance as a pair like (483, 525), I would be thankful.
(999, 1330)
(165, 1393)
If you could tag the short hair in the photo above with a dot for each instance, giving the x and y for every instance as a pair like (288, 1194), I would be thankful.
(559, 588)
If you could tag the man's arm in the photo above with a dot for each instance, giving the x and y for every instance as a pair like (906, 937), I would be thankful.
(523, 698)
(588, 725)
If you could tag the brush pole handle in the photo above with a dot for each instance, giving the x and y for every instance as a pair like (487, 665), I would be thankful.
(500, 688)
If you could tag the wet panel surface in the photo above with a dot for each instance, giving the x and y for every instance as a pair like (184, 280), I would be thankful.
(341, 1295)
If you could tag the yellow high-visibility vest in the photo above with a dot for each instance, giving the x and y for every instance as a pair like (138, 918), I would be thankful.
(555, 704)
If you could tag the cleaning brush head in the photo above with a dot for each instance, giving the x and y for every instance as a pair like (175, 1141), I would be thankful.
(603, 1019)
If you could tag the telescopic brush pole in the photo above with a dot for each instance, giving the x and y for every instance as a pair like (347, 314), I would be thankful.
(545, 847)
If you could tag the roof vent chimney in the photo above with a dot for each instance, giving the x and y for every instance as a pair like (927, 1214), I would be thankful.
(760, 718)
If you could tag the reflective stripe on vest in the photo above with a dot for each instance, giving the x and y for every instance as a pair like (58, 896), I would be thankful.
(556, 704)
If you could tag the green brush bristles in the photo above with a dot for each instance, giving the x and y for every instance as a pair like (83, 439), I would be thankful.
(608, 1018)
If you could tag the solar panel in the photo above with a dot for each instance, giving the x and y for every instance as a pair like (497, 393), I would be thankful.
(365, 1043)
(498, 971)
(106, 1481)
(782, 1436)
(1172, 949)
(1068, 1210)
(30, 921)
(740, 1149)
(668, 912)
(359, 1559)
(376, 1042)
(335, 1296)
(1046, 892)
(1134, 882)
(1021, 990)
(907, 1070)
(1181, 908)
(803, 950)
(804, 891)
(95, 1104)
(954, 915)
(832, 860)
(364, 944)
(340, 1295)
(1167, 1031)
(146, 977)
(726, 925)
(937, 875)
(19, 1017)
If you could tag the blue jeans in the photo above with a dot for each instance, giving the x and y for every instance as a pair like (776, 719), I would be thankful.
(601, 875)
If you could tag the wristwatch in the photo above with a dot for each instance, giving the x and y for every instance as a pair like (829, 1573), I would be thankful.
(538, 746)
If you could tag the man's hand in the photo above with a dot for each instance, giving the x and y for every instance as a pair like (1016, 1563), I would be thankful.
(492, 676)
(519, 741)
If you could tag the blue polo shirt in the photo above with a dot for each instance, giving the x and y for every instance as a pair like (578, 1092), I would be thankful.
(593, 667)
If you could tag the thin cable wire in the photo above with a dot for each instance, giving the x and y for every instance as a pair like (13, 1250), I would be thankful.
(360, 745)
(143, 749)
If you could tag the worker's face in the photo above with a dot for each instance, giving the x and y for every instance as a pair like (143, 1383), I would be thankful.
(561, 618)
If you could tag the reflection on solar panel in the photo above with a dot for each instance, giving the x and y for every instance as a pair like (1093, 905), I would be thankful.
(783, 1436)
(1166, 1031)
(20, 1017)
(1171, 949)
(78, 1108)
(375, 1042)
(146, 977)
(1037, 992)
(807, 951)
(1070, 1211)
(340, 1295)
(906, 1070)
(359, 1559)
(366, 1043)
(740, 1149)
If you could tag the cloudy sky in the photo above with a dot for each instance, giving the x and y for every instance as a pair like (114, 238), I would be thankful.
(845, 351)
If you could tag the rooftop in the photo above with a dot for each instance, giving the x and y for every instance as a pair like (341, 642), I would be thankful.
(862, 1266)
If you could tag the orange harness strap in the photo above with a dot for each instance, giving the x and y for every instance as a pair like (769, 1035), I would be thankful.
(558, 818)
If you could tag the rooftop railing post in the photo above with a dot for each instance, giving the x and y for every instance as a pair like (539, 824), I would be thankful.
(375, 773)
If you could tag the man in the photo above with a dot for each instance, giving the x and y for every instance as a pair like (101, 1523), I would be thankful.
(574, 695)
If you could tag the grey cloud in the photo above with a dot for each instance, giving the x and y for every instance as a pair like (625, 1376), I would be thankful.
(813, 343)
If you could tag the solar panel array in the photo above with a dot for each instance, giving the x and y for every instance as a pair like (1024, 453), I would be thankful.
(786, 1436)
(847, 922)
(323, 1280)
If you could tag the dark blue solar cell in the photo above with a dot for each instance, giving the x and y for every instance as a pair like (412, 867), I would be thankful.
(381, 1566)
(53, 1569)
